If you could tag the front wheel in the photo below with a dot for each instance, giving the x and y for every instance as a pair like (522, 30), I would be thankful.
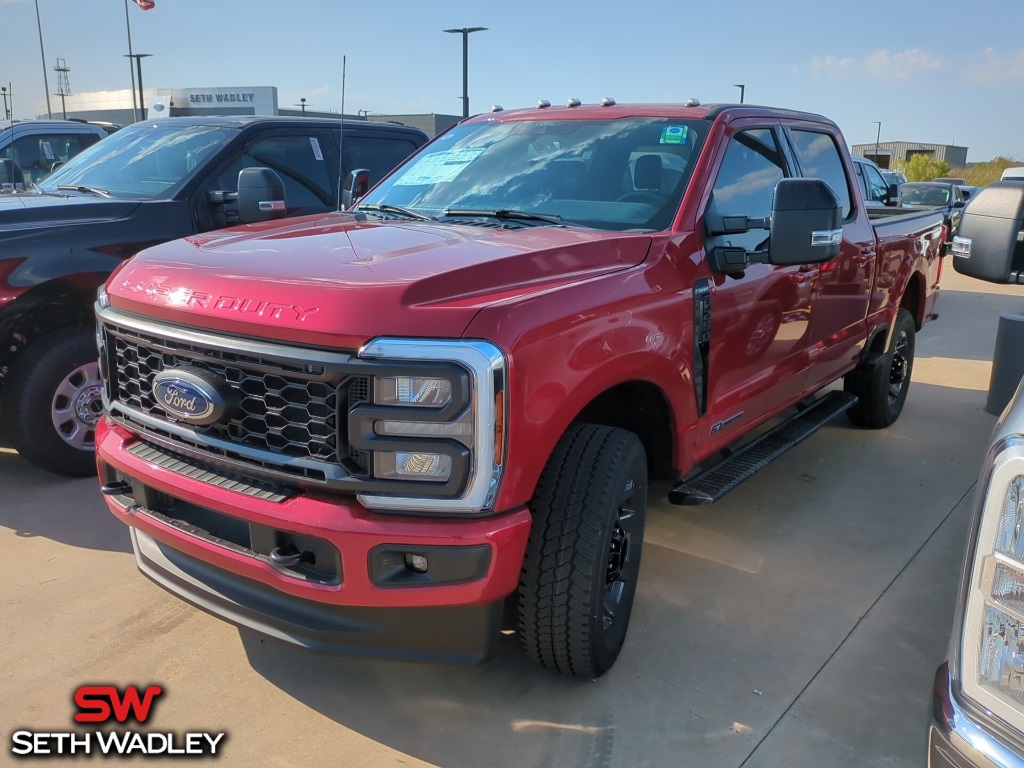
(53, 401)
(582, 561)
(882, 389)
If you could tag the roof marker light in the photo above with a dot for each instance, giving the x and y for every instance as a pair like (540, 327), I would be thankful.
(543, 104)
(497, 108)
(607, 101)
(573, 103)
(693, 102)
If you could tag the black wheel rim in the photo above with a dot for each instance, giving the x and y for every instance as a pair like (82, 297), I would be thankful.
(899, 372)
(620, 572)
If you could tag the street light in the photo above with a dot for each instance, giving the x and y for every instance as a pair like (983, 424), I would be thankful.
(7, 112)
(742, 88)
(303, 105)
(878, 135)
(465, 32)
(138, 66)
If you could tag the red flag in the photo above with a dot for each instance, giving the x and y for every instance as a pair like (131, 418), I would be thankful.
(146, 5)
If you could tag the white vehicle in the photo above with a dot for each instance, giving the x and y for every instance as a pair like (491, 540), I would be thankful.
(978, 705)
(1017, 172)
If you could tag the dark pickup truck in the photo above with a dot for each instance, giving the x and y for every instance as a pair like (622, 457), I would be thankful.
(361, 432)
(146, 184)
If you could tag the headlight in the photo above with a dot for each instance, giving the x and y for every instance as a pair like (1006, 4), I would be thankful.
(992, 634)
(434, 424)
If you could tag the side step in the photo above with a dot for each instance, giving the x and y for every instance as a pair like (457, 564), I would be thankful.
(713, 483)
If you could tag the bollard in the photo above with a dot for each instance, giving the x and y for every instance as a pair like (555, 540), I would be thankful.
(1007, 362)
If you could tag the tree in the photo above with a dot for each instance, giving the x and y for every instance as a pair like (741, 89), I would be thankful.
(922, 167)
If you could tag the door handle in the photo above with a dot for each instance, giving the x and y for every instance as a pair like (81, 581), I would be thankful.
(862, 258)
(803, 275)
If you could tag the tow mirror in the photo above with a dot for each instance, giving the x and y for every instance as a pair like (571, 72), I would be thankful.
(357, 184)
(988, 244)
(806, 226)
(11, 175)
(260, 195)
(893, 192)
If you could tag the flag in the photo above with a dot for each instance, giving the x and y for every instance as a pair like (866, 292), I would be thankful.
(146, 5)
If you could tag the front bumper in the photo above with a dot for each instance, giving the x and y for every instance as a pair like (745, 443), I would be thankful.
(213, 546)
(958, 738)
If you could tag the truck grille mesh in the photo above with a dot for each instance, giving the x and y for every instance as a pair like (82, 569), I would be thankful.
(279, 410)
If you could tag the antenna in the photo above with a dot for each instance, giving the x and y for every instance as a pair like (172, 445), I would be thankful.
(341, 141)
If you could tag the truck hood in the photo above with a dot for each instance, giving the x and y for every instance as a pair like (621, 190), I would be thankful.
(28, 210)
(336, 281)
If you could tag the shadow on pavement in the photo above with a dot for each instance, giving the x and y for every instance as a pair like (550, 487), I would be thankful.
(34, 502)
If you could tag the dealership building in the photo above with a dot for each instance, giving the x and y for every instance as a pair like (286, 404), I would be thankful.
(888, 153)
(119, 106)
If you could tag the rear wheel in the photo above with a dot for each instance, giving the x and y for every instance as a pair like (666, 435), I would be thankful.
(582, 561)
(882, 389)
(52, 402)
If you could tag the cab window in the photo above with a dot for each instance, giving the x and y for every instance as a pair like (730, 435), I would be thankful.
(746, 181)
(36, 154)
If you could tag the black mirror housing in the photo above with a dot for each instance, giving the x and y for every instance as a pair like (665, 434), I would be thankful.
(806, 226)
(11, 174)
(357, 184)
(988, 244)
(893, 192)
(260, 196)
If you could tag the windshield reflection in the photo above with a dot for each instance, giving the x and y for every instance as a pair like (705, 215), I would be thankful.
(624, 174)
(143, 161)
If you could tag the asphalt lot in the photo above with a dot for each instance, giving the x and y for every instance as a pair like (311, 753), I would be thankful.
(797, 622)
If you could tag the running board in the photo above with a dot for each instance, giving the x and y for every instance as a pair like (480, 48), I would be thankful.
(713, 483)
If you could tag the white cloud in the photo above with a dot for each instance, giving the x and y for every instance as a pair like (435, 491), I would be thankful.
(991, 67)
(880, 65)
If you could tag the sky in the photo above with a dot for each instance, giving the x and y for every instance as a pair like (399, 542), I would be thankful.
(938, 72)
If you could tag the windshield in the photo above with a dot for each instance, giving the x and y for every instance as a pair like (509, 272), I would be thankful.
(144, 161)
(624, 174)
(914, 194)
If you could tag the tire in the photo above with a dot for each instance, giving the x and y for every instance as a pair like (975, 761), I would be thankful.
(582, 560)
(51, 403)
(883, 389)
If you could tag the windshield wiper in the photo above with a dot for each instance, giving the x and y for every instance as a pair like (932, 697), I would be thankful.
(387, 208)
(82, 188)
(505, 213)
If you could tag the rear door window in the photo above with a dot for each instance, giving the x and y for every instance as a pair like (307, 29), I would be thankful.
(819, 158)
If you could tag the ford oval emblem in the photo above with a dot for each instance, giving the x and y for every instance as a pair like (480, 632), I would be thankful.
(191, 395)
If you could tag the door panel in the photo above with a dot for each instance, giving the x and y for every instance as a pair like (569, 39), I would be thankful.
(842, 286)
(760, 320)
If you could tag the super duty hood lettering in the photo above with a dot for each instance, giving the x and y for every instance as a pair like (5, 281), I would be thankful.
(185, 297)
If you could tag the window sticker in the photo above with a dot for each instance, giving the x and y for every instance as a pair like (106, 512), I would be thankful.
(674, 134)
(438, 167)
(317, 152)
(47, 150)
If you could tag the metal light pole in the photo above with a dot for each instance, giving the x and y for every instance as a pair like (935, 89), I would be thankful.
(878, 135)
(465, 32)
(138, 65)
(742, 88)
(303, 105)
(46, 82)
(7, 112)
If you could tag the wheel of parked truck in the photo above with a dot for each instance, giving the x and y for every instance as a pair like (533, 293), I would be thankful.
(882, 390)
(52, 401)
(583, 558)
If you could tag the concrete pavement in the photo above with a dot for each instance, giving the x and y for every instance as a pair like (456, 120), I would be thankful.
(797, 622)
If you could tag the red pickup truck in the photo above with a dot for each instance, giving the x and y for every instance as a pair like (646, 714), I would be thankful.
(361, 432)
